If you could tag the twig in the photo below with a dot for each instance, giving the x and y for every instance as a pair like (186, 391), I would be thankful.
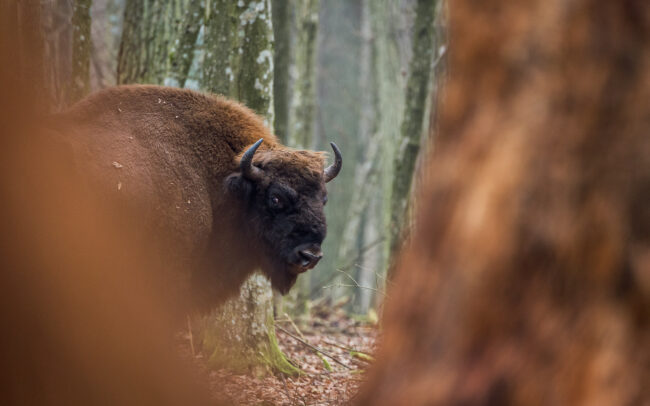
(313, 347)
(347, 285)
(294, 326)
(286, 389)
(350, 264)
(355, 354)
(318, 354)
(356, 284)
(339, 346)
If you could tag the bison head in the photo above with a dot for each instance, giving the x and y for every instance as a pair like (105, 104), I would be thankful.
(282, 193)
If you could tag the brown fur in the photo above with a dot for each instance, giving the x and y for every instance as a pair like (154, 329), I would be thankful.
(527, 279)
(174, 149)
(82, 321)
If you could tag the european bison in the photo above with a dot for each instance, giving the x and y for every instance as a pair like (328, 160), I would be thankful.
(206, 177)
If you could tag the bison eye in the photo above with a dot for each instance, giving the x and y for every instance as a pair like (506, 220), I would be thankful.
(276, 202)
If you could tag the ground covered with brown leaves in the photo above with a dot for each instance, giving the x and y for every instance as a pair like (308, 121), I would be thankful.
(332, 350)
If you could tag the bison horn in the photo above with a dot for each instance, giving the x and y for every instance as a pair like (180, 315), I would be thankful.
(246, 163)
(334, 169)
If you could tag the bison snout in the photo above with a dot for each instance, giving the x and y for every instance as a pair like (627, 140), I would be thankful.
(307, 256)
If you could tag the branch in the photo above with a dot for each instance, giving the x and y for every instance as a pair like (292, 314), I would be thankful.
(313, 347)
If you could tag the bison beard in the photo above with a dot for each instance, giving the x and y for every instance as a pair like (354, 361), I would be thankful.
(207, 181)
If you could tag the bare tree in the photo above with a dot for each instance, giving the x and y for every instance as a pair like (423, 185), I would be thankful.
(408, 143)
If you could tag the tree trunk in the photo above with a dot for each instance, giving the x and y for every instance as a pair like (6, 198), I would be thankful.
(526, 282)
(408, 144)
(282, 27)
(337, 117)
(391, 63)
(303, 98)
(365, 171)
(301, 133)
(81, 48)
(130, 57)
(182, 51)
(221, 48)
(254, 85)
(241, 334)
(146, 36)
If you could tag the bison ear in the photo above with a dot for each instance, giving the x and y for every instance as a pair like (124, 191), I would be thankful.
(238, 186)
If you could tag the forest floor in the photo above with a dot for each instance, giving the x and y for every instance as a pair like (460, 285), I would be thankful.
(330, 377)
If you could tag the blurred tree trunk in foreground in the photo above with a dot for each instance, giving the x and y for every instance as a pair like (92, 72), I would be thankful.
(526, 282)
(83, 324)
(240, 335)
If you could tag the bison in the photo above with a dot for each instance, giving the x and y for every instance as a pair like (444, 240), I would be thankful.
(206, 179)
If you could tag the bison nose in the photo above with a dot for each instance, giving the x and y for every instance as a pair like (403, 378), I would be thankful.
(309, 257)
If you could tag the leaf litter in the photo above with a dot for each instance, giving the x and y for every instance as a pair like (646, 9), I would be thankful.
(332, 349)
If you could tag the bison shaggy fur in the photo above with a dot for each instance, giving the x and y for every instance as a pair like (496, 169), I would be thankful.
(171, 160)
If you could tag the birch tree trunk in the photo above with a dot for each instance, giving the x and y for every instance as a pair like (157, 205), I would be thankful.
(241, 334)
(408, 144)
(81, 47)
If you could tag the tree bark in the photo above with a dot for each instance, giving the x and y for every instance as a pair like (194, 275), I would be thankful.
(390, 60)
(408, 144)
(221, 48)
(81, 49)
(146, 39)
(131, 55)
(526, 280)
(303, 98)
(282, 27)
(182, 51)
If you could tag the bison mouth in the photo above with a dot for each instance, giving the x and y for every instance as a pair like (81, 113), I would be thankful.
(283, 274)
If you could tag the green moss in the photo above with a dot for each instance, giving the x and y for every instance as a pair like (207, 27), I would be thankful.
(243, 356)
(275, 359)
